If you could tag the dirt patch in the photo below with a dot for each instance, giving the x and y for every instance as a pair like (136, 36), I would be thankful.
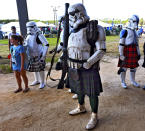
(47, 110)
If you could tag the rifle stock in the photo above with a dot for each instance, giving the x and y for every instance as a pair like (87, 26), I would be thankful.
(66, 35)
(121, 68)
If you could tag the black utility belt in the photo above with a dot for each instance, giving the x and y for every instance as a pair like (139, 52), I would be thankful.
(77, 61)
(132, 44)
(13, 62)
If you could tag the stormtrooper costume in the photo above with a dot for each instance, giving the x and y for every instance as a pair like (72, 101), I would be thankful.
(36, 53)
(83, 71)
(129, 51)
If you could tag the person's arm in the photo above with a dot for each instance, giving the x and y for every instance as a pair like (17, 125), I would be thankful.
(21, 50)
(9, 44)
(10, 57)
(22, 61)
(11, 63)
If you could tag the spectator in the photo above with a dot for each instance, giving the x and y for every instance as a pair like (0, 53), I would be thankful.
(17, 62)
(13, 29)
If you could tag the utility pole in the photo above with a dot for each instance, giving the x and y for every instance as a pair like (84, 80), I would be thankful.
(55, 13)
(23, 16)
(83, 2)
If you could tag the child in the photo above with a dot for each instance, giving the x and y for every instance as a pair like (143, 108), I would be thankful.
(17, 62)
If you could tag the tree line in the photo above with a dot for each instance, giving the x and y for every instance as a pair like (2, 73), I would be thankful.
(109, 21)
(15, 20)
(119, 21)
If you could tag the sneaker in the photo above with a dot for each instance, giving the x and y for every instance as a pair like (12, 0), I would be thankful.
(42, 86)
(18, 90)
(69, 90)
(75, 96)
(77, 111)
(26, 90)
(143, 88)
(92, 123)
(135, 84)
(124, 85)
(34, 83)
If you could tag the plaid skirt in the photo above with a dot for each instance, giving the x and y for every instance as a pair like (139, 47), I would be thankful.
(88, 82)
(131, 57)
(35, 65)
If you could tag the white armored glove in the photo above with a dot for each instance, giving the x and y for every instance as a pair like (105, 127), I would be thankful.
(86, 65)
(122, 57)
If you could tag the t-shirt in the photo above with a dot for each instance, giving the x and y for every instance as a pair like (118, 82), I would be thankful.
(16, 58)
(10, 34)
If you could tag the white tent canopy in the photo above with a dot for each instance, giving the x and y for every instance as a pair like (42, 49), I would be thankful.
(7, 27)
(52, 25)
(41, 24)
(104, 24)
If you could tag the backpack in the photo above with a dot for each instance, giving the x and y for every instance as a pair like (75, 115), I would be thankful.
(92, 34)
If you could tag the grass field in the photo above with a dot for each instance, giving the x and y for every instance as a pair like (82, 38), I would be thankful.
(52, 41)
(5, 41)
(111, 44)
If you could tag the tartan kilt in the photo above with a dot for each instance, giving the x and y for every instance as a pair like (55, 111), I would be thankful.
(131, 57)
(89, 82)
(34, 65)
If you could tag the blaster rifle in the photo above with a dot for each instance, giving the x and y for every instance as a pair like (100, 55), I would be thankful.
(53, 57)
(65, 56)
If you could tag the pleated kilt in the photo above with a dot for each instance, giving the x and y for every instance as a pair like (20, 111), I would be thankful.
(131, 57)
(88, 83)
(35, 65)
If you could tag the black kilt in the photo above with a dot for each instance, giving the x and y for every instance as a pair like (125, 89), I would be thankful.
(35, 65)
(89, 82)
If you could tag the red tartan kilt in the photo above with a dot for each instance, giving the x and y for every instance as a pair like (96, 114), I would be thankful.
(131, 57)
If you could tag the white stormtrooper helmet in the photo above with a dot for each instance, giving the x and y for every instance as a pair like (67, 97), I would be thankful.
(77, 15)
(133, 22)
(32, 27)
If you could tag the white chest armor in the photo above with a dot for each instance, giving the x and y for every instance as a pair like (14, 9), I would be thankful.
(131, 37)
(78, 47)
(34, 48)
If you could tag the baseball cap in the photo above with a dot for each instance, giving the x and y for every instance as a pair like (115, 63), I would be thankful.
(13, 27)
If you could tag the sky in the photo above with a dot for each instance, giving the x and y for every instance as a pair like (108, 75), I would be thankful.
(96, 9)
